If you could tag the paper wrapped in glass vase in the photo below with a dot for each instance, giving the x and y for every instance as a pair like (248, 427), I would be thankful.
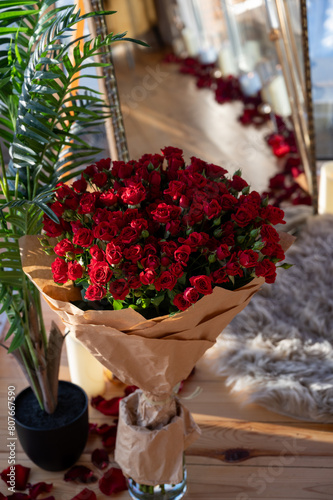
(154, 354)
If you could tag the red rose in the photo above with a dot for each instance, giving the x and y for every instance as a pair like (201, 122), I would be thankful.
(248, 258)
(227, 202)
(180, 302)
(165, 261)
(176, 269)
(103, 164)
(214, 171)
(134, 282)
(164, 213)
(60, 270)
(108, 198)
(75, 271)
(105, 231)
(242, 217)
(95, 292)
(57, 208)
(90, 171)
(268, 233)
(100, 272)
(168, 247)
(83, 237)
(133, 253)
(222, 252)
(182, 254)
(274, 215)
(87, 203)
(202, 283)
(170, 151)
(196, 214)
(148, 276)
(63, 247)
(238, 183)
(282, 150)
(52, 229)
(197, 165)
(267, 269)
(80, 185)
(175, 189)
(124, 170)
(151, 262)
(166, 281)
(128, 235)
(97, 253)
(174, 227)
(197, 180)
(219, 276)
(133, 195)
(212, 209)
(65, 194)
(196, 240)
(113, 254)
(100, 179)
(212, 190)
(191, 295)
(274, 250)
(184, 201)
(233, 268)
(119, 289)
(139, 225)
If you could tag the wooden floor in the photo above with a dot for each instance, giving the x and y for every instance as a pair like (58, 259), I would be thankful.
(245, 452)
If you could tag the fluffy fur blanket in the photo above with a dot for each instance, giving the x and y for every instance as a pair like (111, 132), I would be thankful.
(279, 350)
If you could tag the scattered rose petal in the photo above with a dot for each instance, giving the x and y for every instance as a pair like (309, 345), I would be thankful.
(102, 429)
(18, 496)
(100, 458)
(80, 473)
(106, 406)
(92, 428)
(129, 389)
(113, 481)
(38, 488)
(109, 437)
(21, 476)
(85, 495)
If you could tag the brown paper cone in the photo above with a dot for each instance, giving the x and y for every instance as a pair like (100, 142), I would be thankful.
(153, 354)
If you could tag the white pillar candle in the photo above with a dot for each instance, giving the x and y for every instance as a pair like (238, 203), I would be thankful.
(85, 370)
(252, 53)
(227, 62)
(278, 94)
(190, 41)
(325, 205)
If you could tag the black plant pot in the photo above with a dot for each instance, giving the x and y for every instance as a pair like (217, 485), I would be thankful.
(53, 442)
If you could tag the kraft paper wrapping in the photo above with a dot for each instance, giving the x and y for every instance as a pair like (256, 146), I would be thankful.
(154, 355)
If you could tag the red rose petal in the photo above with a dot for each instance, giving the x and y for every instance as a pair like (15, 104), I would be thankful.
(100, 458)
(109, 437)
(18, 496)
(129, 389)
(102, 429)
(21, 476)
(92, 428)
(85, 495)
(38, 488)
(106, 406)
(113, 481)
(81, 474)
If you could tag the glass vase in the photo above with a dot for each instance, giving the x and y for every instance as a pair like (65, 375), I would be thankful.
(161, 492)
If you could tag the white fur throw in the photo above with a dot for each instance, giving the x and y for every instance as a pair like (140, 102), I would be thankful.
(279, 350)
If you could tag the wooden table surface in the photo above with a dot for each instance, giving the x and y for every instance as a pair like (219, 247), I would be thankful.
(244, 452)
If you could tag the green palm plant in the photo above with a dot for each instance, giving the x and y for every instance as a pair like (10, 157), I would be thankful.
(43, 113)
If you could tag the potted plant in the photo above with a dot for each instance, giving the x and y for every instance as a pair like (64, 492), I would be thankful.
(43, 113)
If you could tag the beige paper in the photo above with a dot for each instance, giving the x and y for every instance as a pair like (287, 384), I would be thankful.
(153, 354)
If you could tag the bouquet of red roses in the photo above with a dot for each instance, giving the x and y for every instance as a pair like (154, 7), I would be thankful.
(163, 256)
(157, 235)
